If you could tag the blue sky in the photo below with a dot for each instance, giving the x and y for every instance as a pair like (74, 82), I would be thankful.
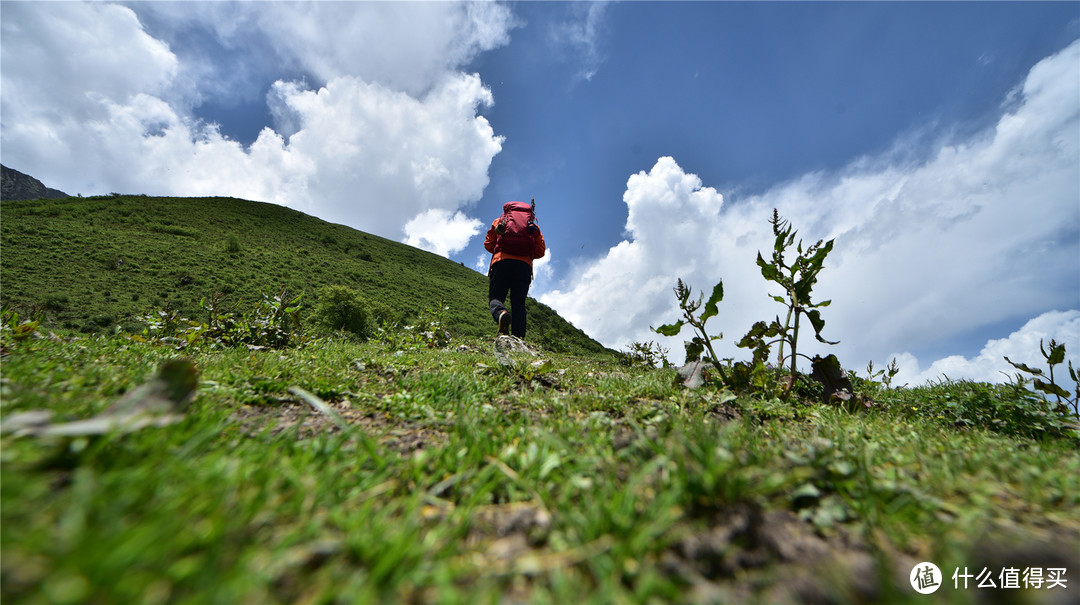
(745, 95)
(937, 142)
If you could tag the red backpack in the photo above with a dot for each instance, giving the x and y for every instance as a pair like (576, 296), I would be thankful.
(519, 221)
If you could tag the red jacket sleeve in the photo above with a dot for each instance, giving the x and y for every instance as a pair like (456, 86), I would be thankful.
(491, 237)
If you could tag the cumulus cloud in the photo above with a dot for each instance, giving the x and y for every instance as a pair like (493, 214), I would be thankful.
(437, 231)
(51, 58)
(983, 232)
(403, 46)
(378, 157)
(1022, 346)
(406, 47)
(391, 135)
(671, 219)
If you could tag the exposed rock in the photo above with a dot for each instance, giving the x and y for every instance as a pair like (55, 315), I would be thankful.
(694, 374)
(510, 350)
(15, 185)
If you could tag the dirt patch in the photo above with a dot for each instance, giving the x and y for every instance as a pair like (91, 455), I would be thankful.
(723, 413)
(754, 555)
(510, 541)
(624, 436)
(395, 434)
(746, 555)
(527, 522)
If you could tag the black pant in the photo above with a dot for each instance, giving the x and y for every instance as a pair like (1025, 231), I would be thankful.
(513, 276)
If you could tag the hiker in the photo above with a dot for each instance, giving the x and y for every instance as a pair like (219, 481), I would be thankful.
(514, 241)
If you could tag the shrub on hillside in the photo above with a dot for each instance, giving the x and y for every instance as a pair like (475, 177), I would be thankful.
(1010, 409)
(341, 308)
(381, 314)
(232, 244)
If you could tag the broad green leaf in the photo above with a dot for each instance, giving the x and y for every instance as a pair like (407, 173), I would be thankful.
(802, 291)
(710, 306)
(1024, 367)
(694, 374)
(1051, 388)
(842, 468)
(758, 330)
(669, 329)
(769, 272)
(819, 325)
(25, 329)
(1057, 354)
(778, 245)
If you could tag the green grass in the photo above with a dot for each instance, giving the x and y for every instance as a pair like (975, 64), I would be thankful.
(97, 264)
(461, 481)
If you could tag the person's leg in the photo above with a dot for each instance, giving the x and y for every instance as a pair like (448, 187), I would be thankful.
(519, 290)
(498, 286)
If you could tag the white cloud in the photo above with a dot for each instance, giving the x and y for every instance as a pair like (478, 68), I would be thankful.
(542, 271)
(981, 233)
(381, 157)
(670, 221)
(437, 231)
(578, 38)
(1022, 346)
(403, 46)
(93, 104)
(483, 261)
(53, 57)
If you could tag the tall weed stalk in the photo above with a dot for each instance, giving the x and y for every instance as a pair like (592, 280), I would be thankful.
(701, 342)
(797, 280)
(1054, 357)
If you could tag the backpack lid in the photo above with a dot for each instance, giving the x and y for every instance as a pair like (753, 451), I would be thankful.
(519, 206)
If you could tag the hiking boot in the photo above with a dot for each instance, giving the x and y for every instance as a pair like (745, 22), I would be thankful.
(504, 322)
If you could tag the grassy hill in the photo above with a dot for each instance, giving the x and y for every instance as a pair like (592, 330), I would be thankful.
(98, 263)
